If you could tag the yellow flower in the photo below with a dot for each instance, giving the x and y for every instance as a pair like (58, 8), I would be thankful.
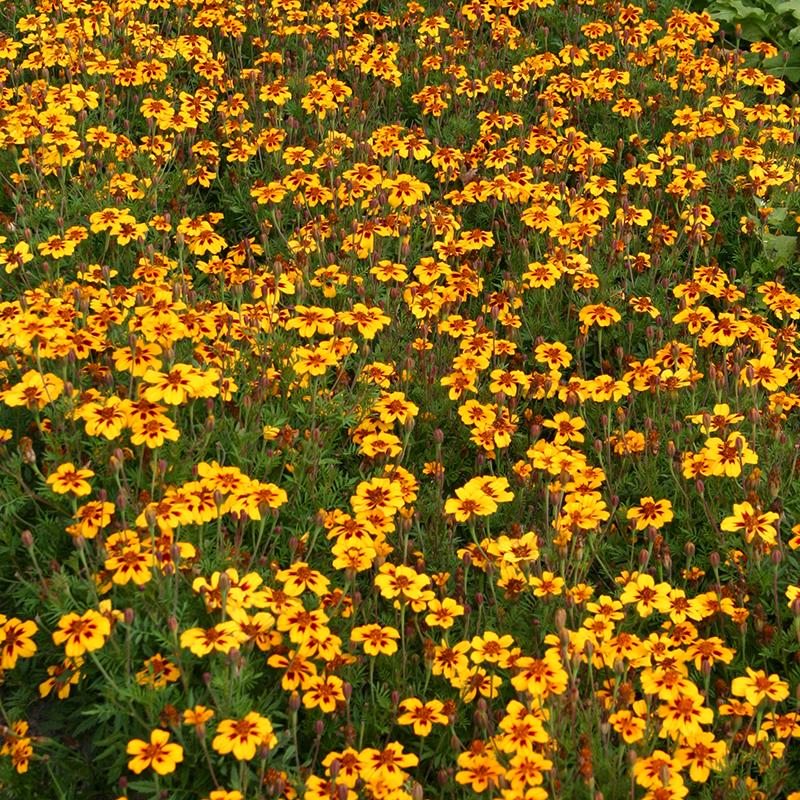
(323, 692)
(548, 584)
(684, 713)
(159, 753)
(220, 638)
(752, 523)
(421, 715)
(376, 639)
(630, 727)
(242, 737)
(405, 189)
(757, 686)
(701, 752)
(470, 501)
(35, 390)
(82, 633)
(567, 428)
(68, 479)
(157, 672)
(651, 513)
(442, 613)
(16, 641)
(647, 595)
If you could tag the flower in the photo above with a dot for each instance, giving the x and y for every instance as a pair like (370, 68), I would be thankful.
(16, 641)
(131, 564)
(300, 578)
(599, 314)
(323, 692)
(478, 770)
(242, 737)
(18, 745)
(701, 752)
(68, 479)
(728, 456)
(421, 715)
(548, 584)
(567, 428)
(647, 595)
(197, 716)
(752, 523)
(651, 513)
(684, 713)
(82, 633)
(628, 725)
(376, 639)
(387, 765)
(757, 686)
(61, 678)
(220, 638)
(442, 613)
(107, 419)
(159, 753)
(401, 581)
(377, 493)
(157, 672)
(470, 501)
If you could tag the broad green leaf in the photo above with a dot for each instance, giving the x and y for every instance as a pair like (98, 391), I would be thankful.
(749, 11)
(786, 7)
(754, 29)
(778, 215)
(781, 249)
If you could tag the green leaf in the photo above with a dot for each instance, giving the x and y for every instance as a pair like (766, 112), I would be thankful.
(751, 11)
(781, 6)
(790, 70)
(145, 787)
(754, 28)
(778, 215)
(786, 7)
(781, 249)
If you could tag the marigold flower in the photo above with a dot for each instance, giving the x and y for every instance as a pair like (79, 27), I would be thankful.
(752, 523)
(323, 692)
(62, 677)
(157, 672)
(651, 513)
(757, 686)
(159, 753)
(82, 633)
(387, 765)
(377, 639)
(442, 613)
(220, 638)
(470, 501)
(684, 713)
(701, 752)
(16, 641)
(421, 715)
(242, 737)
(67, 478)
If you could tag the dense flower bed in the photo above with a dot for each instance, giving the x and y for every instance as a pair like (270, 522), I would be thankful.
(396, 402)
